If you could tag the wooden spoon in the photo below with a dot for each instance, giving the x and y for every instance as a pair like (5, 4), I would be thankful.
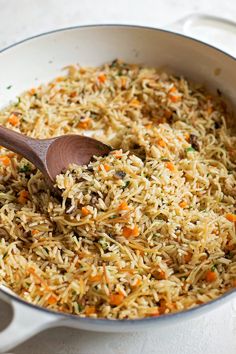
(51, 156)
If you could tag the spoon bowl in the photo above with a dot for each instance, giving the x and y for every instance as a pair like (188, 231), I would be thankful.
(52, 156)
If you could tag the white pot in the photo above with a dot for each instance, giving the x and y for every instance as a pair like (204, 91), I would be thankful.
(41, 58)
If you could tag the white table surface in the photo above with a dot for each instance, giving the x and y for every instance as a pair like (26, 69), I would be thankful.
(214, 333)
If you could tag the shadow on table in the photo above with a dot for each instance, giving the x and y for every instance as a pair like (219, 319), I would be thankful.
(71, 341)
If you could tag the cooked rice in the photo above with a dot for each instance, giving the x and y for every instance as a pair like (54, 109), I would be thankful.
(147, 230)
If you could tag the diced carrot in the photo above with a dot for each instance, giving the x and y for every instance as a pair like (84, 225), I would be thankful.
(59, 78)
(13, 120)
(148, 126)
(73, 94)
(159, 274)
(209, 110)
(135, 231)
(175, 98)
(123, 206)
(116, 299)
(89, 310)
(170, 166)
(95, 278)
(187, 136)
(85, 123)
(5, 160)
(187, 257)
(52, 300)
(183, 204)
(34, 232)
(85, 211)
(135, 102)
(173, 89)
(23, 195)
(123, 82)
(231, 217)
(102, 78)
(210, 276)
(161, 143)
(32, 91)
(128, 232)
(106, 167)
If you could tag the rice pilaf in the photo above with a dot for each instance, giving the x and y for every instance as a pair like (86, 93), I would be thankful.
(145, 231)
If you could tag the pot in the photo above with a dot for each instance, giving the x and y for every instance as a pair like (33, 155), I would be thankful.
(41, 58)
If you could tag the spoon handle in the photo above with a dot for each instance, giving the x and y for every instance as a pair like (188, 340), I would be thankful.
(21, 144)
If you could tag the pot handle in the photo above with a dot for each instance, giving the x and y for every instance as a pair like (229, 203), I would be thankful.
(25, 323)
(214, 30)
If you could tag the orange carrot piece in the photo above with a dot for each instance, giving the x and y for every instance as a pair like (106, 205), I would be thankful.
(210, 276)
(170, 166)
(183, 204)
(34, 232)
(175, 98)
(187, 136)
(135, 231)
(116, 299)
(161, 143)
(123, 206)
(32, 91)
(173, 89)
(52, 300)
(135, 102)
(128, 232)
(85, 211)
(89, 310)
(13, 120)
(23, 195)
(231, 217)
(85, 123)
(5, 160)
(59, 79)
(106, 167)
(102, 78)
(95, 278)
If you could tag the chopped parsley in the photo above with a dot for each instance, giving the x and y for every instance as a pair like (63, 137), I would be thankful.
(190, 149)
(127, 183)
(9, 87)
(25, 168)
